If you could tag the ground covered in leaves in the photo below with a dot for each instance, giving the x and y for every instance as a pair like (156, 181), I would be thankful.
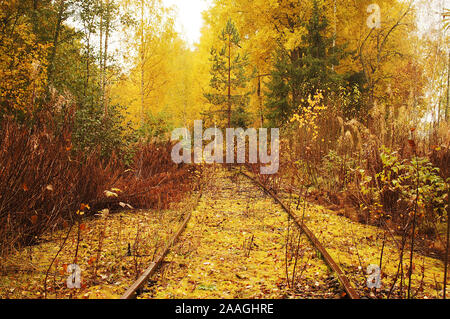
(113, 250)
(238, 244)
(235, 247)
(355, 246)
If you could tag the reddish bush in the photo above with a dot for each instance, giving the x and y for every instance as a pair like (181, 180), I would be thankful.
(440, 157)
(43, 183)
(154, 181)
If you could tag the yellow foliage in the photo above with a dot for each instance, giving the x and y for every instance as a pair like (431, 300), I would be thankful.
(307, 117)
(22, 62)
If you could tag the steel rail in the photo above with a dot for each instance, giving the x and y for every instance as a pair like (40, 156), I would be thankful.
(351, 292)
(132, 291)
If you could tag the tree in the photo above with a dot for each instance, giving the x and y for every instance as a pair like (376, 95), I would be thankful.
(229, 78)
(382, 49)
(109, 20)
(88, 11)
(23, 62)
(62, 15)
(148, 51)
(299, 73)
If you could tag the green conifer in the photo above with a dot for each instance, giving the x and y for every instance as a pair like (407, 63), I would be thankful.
(229, 80)
(304, 70)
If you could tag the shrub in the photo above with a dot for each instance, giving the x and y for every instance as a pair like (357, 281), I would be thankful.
(394, 189)
(43, 181)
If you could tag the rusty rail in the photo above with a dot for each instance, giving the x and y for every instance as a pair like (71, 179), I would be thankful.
(328, 259)
(132, 291)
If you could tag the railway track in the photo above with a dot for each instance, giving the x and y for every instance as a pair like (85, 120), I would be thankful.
(135, 288)
(152, 269)
(326, 256)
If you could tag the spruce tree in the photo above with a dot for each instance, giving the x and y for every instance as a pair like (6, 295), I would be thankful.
(304, 70)
(229, 80)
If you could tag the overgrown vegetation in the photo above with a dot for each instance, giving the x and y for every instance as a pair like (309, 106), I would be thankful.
(90, 91)
(45, 182)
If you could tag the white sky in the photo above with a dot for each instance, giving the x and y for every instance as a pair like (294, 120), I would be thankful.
(189, 17)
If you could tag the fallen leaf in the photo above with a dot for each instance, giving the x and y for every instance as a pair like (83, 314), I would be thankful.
(110, 194)
(34, 219)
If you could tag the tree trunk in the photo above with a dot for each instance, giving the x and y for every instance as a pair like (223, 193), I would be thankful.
(61, 10)
(102, 94)
(229, 82)
(105, 55)
(142, 62)
(448, 83)
(86, 83)
(260, 101)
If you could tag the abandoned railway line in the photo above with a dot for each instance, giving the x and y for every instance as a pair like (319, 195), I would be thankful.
(231, 238)
(178, 272)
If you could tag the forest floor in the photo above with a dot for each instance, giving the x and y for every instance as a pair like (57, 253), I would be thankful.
(234, 246)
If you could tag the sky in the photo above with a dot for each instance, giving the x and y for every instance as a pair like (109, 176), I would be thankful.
(429, 14)
(189, 17)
